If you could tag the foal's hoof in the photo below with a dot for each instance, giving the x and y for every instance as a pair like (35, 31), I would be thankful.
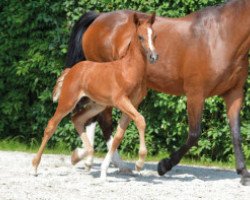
(138, 166)
(245, 180)
(164, 166)
(75, 158)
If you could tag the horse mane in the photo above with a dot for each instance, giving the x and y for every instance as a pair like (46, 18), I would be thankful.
(75, 52)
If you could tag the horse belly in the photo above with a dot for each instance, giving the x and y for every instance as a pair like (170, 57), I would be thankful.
(231, 80)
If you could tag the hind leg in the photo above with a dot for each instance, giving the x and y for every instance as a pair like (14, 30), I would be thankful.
(79, 120)
(233, 100)
(61, 111)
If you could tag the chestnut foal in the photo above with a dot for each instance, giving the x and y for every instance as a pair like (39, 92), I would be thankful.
(120, 84)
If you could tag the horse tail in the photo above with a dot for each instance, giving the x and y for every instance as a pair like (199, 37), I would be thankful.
(58, 87)
(75, 51)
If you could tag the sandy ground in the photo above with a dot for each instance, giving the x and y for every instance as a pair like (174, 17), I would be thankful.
(58, 179)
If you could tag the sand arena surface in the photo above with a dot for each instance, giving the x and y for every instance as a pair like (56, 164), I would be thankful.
(58, 179)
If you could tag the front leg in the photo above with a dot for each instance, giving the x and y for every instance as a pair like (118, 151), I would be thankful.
(105, 121)
(233, 100)
(122, 126)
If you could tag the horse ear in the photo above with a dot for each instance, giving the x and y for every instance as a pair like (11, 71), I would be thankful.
(152, 18)
(136, 19)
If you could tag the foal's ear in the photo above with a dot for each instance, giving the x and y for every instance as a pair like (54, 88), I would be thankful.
(136, 19)
(152, 19)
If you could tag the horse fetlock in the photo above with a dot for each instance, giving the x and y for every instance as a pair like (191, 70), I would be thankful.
(77, 155)
(89, 161)
(143, 153)
(139, 165)
(35, 163)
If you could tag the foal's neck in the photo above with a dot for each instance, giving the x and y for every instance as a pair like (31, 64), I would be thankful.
(136, 55)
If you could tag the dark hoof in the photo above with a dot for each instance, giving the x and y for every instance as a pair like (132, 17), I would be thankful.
(245, 180)
(164, 166)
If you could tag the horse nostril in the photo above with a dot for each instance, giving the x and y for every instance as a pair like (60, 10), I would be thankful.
(155, 56)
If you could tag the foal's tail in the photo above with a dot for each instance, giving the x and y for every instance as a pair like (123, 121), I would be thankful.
(75, 51)
(57, 89)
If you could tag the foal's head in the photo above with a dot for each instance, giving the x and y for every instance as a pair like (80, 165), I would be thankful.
(147, 36)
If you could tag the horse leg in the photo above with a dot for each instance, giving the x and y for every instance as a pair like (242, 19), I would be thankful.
(79, 153)
(79, 120)
(61, 111)
(129, 109)
(105, 121)
(195, 105)
(233, 100)
(122, 125)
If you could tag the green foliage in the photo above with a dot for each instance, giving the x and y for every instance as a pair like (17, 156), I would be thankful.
(34, 37)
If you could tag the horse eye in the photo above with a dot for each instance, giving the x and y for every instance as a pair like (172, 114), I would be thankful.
(155, 37)
(140, 38)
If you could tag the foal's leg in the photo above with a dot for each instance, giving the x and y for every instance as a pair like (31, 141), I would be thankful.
(79, 153)
(105, 121)
(194, 107)
(61, 111)
(122, 125)
(129, 111)
(79, 120)
(233, 100)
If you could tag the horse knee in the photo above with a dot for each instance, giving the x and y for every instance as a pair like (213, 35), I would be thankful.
(140, 122)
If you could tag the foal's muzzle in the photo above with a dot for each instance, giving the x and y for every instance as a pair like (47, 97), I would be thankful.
(153, 57)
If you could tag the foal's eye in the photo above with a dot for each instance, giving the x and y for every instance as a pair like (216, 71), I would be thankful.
(154, 37)
(140, 38)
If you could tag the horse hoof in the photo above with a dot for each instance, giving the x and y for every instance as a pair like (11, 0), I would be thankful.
(245, 180)
(75, 158)
(164, 166)
(138, 166)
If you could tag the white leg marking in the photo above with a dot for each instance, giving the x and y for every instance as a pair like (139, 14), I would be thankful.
(116, 160)
(81, 152)
(105, 165)
(90, 131)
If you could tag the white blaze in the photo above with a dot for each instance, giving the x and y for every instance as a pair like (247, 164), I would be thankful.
(150, 41)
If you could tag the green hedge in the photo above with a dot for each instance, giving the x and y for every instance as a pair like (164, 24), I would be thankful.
(33, 45)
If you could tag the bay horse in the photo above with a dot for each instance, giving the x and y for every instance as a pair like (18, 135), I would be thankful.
(120, 84)
(200, 55)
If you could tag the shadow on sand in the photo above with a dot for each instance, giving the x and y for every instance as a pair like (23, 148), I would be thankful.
(180, 172)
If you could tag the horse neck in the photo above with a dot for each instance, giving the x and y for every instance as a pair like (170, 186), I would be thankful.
(136, 56)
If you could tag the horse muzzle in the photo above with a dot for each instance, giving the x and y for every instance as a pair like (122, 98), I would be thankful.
(153, 57)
